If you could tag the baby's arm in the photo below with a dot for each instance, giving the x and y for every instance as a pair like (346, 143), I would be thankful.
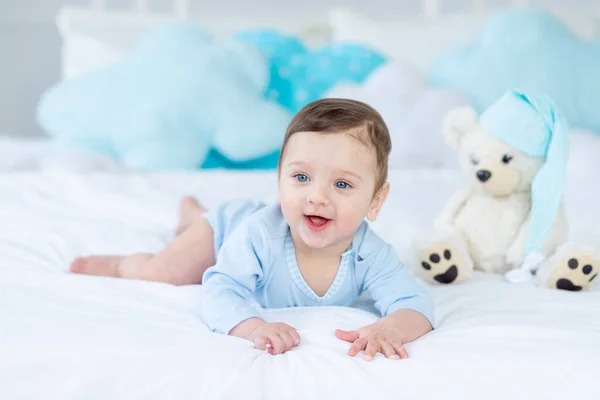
(406, 308)
(393, 288)
(410, 324)
(229, 285)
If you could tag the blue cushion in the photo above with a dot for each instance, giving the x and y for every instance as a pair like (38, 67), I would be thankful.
(181, 100)
(534, 52)
(166, 105)
(215, 160)
(300, 75)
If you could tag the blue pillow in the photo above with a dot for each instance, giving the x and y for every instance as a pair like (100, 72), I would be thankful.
(299, 75)
(176, 96)
(181, 100)
(534, 52)
(216, 160)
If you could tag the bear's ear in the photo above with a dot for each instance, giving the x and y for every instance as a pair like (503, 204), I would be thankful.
(458, 123)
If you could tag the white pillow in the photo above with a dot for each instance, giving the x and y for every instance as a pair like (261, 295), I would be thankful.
(41, 155)
(413, 112)
(94, 39)
(419, 40)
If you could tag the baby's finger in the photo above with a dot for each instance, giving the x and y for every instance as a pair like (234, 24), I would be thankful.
(357, 346)
(400, 350)
(288, 342)
(372, 348)
(295, 337)
(277, 344)
(388, 350)
(261, 343)
(348, 336)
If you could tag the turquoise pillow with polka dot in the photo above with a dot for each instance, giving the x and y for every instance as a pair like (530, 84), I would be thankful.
(299, 75)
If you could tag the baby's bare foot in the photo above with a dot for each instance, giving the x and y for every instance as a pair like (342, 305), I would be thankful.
(96, 265)
(189, 211)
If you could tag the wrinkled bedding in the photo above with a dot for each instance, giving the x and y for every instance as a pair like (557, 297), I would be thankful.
(65, 336)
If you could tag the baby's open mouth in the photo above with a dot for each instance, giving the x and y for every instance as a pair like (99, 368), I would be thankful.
(316, 222)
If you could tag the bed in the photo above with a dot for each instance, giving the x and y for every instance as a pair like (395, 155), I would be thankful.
(66, 336)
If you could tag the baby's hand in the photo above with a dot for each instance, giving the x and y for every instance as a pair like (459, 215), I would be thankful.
(280, 336)
(372, 339)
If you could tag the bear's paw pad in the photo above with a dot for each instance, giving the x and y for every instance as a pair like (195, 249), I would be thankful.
(442, 263)
(574, 273)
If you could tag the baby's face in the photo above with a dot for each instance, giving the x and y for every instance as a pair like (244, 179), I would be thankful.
(326, 186)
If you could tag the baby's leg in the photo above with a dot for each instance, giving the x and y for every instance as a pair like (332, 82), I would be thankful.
(189, 212)
(182, 262)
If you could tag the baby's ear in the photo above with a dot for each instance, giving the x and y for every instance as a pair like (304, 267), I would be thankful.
(458, 123)
(378, 201)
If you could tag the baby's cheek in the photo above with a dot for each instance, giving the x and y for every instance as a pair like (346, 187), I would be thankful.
(286, 209)
(350, 217)
(291, 207)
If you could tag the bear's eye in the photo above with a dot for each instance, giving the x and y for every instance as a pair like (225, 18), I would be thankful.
(474, 160)
(506, 158)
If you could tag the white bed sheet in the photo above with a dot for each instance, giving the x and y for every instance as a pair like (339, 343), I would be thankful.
(34, 154)
(65, 336)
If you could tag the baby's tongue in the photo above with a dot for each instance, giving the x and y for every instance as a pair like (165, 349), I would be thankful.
(317, 220)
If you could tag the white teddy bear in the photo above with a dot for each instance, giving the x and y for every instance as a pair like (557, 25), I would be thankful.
(509, 217)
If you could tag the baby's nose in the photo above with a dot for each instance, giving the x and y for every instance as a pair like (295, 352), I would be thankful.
(318, 196)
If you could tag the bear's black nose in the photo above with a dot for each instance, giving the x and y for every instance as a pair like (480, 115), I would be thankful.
(483, 175)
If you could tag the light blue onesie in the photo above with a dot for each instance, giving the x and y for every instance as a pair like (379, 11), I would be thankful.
(256, 268)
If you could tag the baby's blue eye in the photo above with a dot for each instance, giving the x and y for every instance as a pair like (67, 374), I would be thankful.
(301, 178)
(341, 185)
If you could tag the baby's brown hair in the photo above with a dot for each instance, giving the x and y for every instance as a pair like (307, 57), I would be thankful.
(344, 115)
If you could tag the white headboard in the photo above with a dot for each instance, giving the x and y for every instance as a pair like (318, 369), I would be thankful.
(98, 34)
(420, 39)
(220, 24)
(430, 8)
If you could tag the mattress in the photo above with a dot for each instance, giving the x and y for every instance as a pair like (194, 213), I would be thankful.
(65, 336)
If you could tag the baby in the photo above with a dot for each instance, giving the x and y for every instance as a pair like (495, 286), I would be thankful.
(312, 248)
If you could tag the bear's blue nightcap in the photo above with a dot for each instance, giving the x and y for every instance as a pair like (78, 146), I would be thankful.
(534, 126)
